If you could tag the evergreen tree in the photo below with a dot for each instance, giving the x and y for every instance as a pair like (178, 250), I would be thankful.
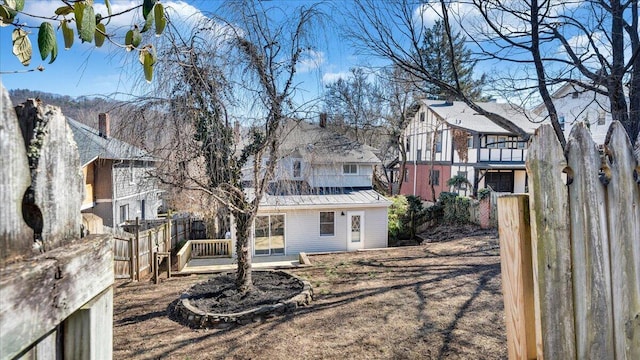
(436, 51)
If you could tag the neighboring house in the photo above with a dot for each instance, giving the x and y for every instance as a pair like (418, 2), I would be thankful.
(445, 139)
(119, 185)
(321, 198)
(577, 104)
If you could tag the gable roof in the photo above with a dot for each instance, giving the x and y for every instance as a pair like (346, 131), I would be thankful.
(459, 114)
(319, 145)
(92, 146)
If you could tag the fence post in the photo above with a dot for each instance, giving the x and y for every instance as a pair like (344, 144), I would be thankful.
(517, 275)
(137, 249)
(132, 260)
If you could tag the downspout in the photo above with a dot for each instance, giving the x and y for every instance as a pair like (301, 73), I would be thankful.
(113, 191)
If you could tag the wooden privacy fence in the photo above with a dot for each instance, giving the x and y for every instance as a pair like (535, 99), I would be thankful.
(134, 251)
(570, 250)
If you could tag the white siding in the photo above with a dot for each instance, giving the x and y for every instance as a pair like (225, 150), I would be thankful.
(302, 232)
(332, 176)
(420, 135)
(519, 178)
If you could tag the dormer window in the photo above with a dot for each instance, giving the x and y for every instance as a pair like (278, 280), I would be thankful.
(350, 169)
(422, 116)
(297, 168)
(575, 95)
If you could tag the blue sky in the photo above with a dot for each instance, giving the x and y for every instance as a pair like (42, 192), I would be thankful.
(87, 70)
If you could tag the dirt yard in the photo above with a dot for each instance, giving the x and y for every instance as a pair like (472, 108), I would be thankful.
(439, 300)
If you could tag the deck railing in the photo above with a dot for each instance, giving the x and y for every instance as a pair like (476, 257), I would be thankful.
(203, 249)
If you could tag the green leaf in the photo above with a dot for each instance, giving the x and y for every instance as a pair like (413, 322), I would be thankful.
(148, 59)
(100, 31)
(109, 11)
(88, 28)
(67, 34)
(6, 15)
(128, 40)
(133, 38)
(147, 7)
(64, 10)
(19, 5)
(47, 42)
(147, 23)
(78, 11)
(161, 21)
(22, 46)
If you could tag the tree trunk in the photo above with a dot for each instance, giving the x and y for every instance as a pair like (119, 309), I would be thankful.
(243, 234)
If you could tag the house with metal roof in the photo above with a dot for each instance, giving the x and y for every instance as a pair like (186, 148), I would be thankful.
(119, 181)
(445, 139)
(321, 198)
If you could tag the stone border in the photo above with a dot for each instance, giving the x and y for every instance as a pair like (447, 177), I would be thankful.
(196, 318)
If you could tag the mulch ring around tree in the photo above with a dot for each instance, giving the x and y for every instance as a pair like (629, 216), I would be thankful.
(215, 303)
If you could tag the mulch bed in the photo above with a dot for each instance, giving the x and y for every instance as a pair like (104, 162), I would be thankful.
(218, 294)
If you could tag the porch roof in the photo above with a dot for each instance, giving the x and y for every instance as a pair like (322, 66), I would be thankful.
(351, 199)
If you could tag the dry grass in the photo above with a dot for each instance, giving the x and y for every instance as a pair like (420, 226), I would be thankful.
(436, 301)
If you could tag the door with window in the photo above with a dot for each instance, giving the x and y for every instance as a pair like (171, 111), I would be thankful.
(268, 235)
(355, 230)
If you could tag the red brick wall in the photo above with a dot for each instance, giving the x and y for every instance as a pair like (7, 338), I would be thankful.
(422, 188)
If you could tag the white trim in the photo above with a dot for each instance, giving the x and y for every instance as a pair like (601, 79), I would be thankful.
(103, 201)
(322, 206)
(87, 206)
(134, 195)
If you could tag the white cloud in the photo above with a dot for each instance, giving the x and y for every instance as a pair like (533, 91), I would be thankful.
(311, 60)
(331, 77)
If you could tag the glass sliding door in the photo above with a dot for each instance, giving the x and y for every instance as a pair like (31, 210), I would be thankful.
(269, 235)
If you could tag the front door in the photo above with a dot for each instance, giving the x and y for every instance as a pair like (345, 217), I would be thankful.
(355, 230)
(268, 235)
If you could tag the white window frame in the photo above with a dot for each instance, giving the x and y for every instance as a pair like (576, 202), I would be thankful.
(333, 223)
(350, 168)
(297, 162)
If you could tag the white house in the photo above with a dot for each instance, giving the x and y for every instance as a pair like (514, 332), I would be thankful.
(577, 104)
(321, 198)
(448, 138)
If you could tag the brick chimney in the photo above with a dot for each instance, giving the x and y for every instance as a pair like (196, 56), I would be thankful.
(103, 125)
(323, 120)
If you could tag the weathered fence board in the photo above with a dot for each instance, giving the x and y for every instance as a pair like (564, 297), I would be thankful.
(123, 257)
(590, 249)
(551, 246)
(623, 213)
(16, 238)
(41, 292)
(517, 281)
(56, 174)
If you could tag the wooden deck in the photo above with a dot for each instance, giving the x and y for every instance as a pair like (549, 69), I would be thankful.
(202, 265)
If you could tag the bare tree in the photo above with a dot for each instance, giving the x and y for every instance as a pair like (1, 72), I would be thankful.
(228, 72)
(599, 45)
(395, 31)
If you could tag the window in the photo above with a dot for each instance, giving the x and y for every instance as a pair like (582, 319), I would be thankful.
(435, 177)
(601, 117)
(438, 141)
(470, 141)
(502, 142)
(422, 116)
(350, 169)
(297, 168)
(268, 233)
(124, 213)
(142, 209)
(491, 142)
(462, 186)
(561, 121)
(406, 175)
(327, 223)
(408, 144)
(419, 155)
(521, 144)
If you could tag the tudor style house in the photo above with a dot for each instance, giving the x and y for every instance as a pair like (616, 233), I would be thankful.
(576, 104)
(119, 185)
(321, 197)
(448, 138)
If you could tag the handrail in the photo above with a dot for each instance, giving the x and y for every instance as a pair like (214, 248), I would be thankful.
(203, 249)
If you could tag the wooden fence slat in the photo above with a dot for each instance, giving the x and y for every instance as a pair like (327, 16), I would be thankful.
(590, 249)
(517, 276)
(623, 207)
(16, 239)
(551, 247)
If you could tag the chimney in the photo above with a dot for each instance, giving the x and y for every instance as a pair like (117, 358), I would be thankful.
(323, 120)
(236, 131)
(103, 125)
